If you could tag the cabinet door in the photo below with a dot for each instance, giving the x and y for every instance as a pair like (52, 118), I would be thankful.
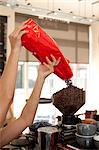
(3, 22)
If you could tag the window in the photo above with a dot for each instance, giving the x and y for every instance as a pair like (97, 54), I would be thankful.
(80, 74)
(20, 76)
(32, 73)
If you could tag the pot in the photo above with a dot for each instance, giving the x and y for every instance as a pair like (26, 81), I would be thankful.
(86, 129)
(85, 141)
(47, 138)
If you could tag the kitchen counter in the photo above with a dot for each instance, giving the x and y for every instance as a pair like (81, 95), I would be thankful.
(10, 147)
(72, 147)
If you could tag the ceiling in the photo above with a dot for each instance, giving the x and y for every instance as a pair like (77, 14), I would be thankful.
(83, 8)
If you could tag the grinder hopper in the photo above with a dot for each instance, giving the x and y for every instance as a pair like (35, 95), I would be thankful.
(69, 99)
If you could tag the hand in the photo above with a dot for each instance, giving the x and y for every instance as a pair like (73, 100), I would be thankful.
(46, 69)
(15, 37)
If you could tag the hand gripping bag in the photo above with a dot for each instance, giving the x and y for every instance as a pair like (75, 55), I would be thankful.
(41, 45)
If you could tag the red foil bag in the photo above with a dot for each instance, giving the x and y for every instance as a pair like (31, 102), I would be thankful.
(41, 45)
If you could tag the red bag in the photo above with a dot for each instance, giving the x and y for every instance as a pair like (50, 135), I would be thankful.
(41, 45)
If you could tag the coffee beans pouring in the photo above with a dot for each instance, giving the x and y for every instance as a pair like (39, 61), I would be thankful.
(69, 99)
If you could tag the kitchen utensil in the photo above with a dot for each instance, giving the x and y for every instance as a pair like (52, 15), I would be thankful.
(89, 121)
(97, 125)
(86, 129)
(47, 138)
(84, 141)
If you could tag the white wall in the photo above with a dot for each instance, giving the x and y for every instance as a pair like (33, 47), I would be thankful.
(93, 81)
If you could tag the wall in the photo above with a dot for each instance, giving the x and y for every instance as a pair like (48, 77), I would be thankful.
(93, 82)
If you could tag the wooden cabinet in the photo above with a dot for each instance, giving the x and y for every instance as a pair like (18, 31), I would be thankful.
(3, 41)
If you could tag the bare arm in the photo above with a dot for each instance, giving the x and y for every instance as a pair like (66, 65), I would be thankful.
(15, 128)
(7, 86)
(8, 78)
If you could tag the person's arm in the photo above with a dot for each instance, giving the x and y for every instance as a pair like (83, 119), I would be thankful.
(8, 78)
(12, 130)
